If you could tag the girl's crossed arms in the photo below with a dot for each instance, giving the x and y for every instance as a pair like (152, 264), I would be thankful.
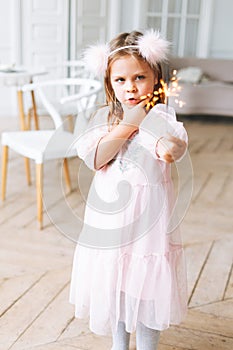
(168, 147)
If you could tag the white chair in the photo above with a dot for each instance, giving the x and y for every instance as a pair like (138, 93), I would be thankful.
(43, 145)
(66, 69)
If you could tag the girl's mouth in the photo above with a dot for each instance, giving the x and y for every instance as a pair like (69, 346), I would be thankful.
(132, 101)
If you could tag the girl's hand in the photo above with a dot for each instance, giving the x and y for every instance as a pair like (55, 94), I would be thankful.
(170, 148)
(135, 115)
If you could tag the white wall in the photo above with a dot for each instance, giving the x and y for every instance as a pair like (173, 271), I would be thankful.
(221, 42)
(8, 54)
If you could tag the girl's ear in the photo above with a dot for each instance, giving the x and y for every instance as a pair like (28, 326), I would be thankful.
(156, 79)
(156, 73)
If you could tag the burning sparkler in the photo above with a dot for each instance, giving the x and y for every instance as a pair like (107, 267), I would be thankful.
(165, 91)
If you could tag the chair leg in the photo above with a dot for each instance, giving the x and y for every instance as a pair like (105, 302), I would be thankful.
(21, 110)
(67, 175)
(70, 119)
(4, 170)
(29, 115)
(28, 171)
(24, 126)
(34, 111)
(39, 194)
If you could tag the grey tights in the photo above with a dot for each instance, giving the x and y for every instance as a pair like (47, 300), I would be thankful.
(146, 338)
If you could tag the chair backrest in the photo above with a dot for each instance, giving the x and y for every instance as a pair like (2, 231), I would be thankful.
(86, 103)
(68, 69)
(81, 92)
(76, 69)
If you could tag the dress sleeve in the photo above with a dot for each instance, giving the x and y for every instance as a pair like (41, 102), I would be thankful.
(160, 121)
(88, 141)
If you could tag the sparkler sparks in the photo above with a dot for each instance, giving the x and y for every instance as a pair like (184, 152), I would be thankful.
(165, 91)
(174, 89)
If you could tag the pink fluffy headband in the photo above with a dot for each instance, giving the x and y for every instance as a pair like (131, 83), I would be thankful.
(150, 46)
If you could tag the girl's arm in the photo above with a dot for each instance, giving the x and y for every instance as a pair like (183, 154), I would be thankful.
(111, 144)
(164, 136)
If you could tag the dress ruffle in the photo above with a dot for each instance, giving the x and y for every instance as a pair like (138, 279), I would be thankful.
(130, 288)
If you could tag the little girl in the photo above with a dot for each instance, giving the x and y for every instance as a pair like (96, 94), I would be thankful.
(128, 270)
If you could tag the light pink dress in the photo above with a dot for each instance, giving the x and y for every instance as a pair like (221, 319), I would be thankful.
(129, 262)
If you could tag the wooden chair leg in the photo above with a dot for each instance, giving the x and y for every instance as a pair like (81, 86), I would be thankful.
(34, 111)
(67, 175)
(29, 115)
(23, 126)
(39, 194)
(21, 110)
(70, 119)
(28, 171)
(4, 170)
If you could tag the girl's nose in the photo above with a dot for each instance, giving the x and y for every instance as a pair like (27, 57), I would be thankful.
(130, 87)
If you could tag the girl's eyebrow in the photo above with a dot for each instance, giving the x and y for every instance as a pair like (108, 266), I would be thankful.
(135, 74)
(117, 75)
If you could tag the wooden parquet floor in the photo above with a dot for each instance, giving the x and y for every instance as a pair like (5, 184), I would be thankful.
(35, 265)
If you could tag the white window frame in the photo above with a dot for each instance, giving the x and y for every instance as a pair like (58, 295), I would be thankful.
(204, 33)
(204, 27)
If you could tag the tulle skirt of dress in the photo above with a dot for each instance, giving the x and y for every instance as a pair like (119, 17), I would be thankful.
(108, 288)
(144, 280)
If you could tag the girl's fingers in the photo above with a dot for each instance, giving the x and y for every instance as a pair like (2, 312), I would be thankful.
(168, 158)
(175, 140)
(145, 104)
(145, 99)
(150, 101)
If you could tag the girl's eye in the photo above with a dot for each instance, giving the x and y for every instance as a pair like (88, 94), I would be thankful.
(140, 77)
(120, 80)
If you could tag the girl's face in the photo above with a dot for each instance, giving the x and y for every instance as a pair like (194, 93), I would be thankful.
(132, 78)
